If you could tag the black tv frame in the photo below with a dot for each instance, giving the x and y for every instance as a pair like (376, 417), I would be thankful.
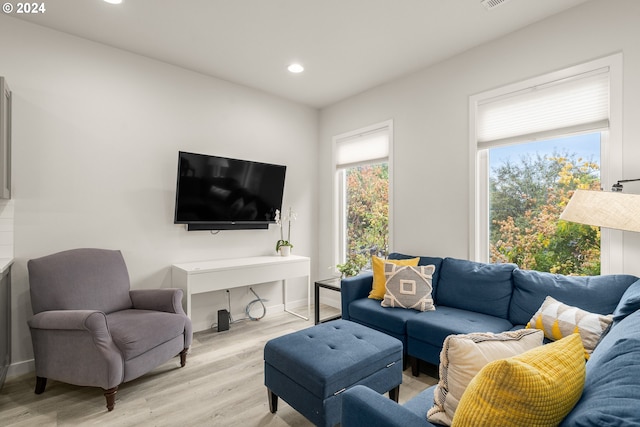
(221, 225)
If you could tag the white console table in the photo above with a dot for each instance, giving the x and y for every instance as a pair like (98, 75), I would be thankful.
(215, 275)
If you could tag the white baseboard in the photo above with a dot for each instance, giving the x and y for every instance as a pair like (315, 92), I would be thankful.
(21, 368)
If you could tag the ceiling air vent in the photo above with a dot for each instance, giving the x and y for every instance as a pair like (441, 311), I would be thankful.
(490, 4)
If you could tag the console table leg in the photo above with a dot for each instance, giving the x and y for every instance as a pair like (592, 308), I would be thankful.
(284, 300)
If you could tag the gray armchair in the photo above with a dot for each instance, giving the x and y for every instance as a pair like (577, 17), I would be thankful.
(90, 329)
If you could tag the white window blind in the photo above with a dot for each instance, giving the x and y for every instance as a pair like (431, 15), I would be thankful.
(363, 149)
(575, 104)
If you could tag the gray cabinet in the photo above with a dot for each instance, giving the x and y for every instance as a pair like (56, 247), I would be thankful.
(5, 140)
(5, 323)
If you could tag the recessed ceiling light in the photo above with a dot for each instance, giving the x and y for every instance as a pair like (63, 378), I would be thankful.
(295, 68)
(114, 1)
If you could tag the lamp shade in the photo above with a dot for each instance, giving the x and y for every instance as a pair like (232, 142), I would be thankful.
(604, 209)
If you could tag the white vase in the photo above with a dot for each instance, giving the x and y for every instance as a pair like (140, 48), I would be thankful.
(285, 250)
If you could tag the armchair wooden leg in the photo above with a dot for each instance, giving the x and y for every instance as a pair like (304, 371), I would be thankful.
(41, 383)
(110, 395)
(183, 357)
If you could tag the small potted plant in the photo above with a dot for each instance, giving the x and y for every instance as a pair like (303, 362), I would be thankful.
(284, 246)
(353, 266)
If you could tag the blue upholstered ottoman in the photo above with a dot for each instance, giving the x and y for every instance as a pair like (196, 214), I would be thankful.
(310, 368)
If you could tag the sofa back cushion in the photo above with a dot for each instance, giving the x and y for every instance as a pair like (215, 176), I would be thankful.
(629, 303)
(611, 394)
(595, 294)
(424, 260)
(474, 286)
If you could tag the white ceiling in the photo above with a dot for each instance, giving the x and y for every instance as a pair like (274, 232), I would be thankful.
(346, 46)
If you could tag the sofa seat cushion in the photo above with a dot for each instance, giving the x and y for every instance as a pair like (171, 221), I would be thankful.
(369, 312)
(152, 328)
(595, 294)
(421, 403)
(611, 395)
(475, 286)
(433, 327)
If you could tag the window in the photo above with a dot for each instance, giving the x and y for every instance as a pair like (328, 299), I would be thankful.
(529, 185)
(362, 164)
(532, 144)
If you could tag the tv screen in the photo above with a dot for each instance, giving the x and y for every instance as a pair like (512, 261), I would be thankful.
(218, 193)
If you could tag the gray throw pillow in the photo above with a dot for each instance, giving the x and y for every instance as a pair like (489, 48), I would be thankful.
(408, 286)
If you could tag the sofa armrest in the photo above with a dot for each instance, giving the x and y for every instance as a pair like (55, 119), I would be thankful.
(353, 288)
(93, 321)
(167, 299)
(363, 407)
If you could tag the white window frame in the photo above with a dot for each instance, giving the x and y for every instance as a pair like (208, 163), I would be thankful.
(339, 219)
(611, 249)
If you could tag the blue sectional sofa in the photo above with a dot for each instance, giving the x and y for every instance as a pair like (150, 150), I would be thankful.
(477, 297)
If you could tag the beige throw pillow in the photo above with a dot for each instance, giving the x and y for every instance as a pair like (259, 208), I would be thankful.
(464, 355)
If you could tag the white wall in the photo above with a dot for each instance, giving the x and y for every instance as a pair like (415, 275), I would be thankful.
(430, 114)
(96, 132)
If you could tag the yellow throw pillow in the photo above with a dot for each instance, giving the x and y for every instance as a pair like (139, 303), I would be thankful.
(558, 320)
(378, 289)
(537, 388)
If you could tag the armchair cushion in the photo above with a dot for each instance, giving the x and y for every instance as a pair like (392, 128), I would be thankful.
(151, 328)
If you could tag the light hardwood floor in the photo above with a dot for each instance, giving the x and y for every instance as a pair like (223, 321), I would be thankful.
(221, 385)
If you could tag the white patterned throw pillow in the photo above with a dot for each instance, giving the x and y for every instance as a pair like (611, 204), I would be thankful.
(464, 355)
(408, 286)
(558, 320)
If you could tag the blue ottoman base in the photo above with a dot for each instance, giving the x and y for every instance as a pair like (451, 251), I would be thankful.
(310, 369)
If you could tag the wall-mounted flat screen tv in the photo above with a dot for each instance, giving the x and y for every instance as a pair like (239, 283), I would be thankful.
(220, 193)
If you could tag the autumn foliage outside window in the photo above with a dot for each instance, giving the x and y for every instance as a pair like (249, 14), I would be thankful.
(526, 200)
(367, 212)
